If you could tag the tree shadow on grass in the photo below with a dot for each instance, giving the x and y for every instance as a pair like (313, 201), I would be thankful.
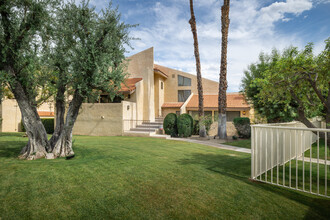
(10, 149)
(239, 168)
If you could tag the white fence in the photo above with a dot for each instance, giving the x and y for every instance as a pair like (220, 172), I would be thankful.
(291, 155)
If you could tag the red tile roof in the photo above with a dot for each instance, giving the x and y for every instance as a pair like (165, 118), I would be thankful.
(45, 114)
(129, 85)
(160, 69)
(172, 104)
(234, 100)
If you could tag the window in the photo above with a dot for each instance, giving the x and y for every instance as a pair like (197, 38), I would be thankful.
(183, 95)
(230, 115)
(161, 85)
(184, 81)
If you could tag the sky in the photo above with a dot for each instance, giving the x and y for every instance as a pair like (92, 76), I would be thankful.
(255, 26)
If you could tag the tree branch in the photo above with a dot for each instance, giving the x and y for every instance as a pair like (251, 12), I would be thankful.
(316, 90)
(301, 113)
(6, 24)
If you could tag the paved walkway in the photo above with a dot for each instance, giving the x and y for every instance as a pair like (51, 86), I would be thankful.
(238, 149)
(306, 159)
(212, 144)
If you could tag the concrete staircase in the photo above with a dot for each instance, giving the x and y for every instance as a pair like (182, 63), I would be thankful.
(146, 129)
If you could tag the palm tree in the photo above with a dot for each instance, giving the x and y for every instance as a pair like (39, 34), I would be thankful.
(222, 128)
(192, 22)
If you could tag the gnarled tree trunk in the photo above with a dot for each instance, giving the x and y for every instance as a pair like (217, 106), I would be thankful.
(38, 145)
(60, 112)
(192, 22)
(222, 128)
(63, 146)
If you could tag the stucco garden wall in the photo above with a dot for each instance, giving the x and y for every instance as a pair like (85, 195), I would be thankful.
(104, 119)
(12, 117)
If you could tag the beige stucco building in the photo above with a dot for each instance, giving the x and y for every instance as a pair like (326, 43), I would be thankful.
(150, 92)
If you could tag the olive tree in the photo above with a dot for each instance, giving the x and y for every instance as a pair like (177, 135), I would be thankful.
(66, 51)
(87, 57)
(23, 25)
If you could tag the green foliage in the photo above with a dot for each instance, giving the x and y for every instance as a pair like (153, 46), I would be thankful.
(170, 125)
(48, 124)
(292, 84)
(185, 125)
(207, 121)
(243, 127)
(241, 121)
(90, 50)
(272, 110)
(23, 27)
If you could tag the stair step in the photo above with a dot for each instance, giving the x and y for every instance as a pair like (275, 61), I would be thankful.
(138, 133)
(152, 123)
(148, 126)
(144, 129)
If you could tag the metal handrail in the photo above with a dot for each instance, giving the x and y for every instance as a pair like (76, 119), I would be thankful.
(275, 146)
(291, 128)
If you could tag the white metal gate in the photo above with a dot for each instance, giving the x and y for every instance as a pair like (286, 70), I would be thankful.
(291, 155)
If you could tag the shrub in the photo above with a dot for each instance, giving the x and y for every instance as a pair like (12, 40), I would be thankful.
(47, 122)
(207, 121)
(49, 125)
(195, 130)
(243, 127)
(185, 125)
(170, 125)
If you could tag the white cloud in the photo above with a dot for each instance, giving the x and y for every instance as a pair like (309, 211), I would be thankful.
(252, 30)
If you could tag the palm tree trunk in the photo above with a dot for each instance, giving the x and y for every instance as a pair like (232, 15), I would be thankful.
(222, 128)
(192, 22)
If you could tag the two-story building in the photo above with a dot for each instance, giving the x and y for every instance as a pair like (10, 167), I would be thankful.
(150, 92)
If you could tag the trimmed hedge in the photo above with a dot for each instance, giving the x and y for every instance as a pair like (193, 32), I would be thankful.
(47, 122)
(170, 125)
(243, 127)
(185, 125)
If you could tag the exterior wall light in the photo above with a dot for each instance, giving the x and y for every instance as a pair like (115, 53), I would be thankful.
(244, 112)
(102, 117)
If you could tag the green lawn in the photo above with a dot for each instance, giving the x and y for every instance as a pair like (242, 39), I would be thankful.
(321, 151)
(143, 178)
(244, 143)
(299, 179)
